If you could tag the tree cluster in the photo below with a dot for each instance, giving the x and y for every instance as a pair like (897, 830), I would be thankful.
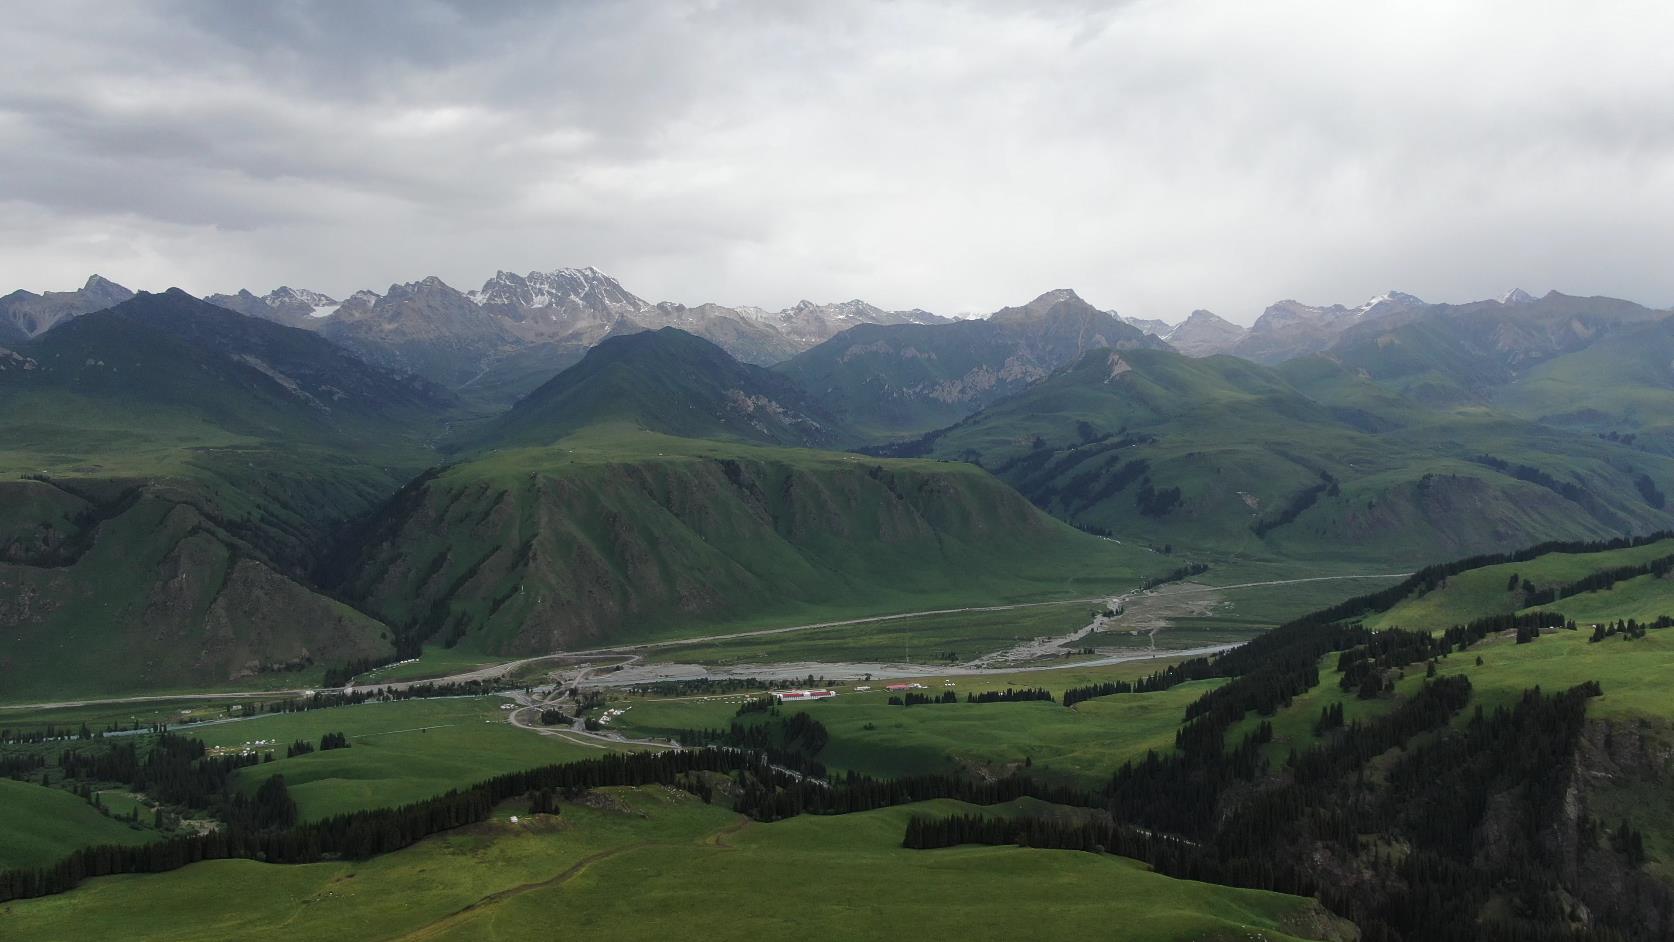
(1007, 695)
(1599, 581)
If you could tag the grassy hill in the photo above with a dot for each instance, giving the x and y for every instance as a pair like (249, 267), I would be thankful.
(43, 824)
(170, 471)
(674, 383)
(1490, 589)
(649, 863)
(616, 535)
(1222, 456)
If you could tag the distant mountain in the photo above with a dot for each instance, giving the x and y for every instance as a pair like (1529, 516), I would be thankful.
(1291, 329)
(1223, 456)
(1153, 326)
(560, 303)
(425, 327)
(1204, 333)
(24, 314)
(294, 307)
(1447, 354)
(499, 342)
(890, 380)
(674, 383)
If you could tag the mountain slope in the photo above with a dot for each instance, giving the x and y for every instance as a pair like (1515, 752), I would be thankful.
(894, 380)
(1291, 329)
(244, 376)
(612, 536)
(1449, 354)
(170, 472)
(1621, 386)
(1203, 334)
(1224, 456)
(671, 382)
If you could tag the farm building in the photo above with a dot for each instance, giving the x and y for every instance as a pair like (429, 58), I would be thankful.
(797, 696)
(905, 687)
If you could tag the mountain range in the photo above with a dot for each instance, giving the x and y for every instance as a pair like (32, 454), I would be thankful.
(180, 475)
(502, 340)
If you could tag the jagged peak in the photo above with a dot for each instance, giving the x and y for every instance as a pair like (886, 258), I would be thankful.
(1053, 298)
(1039, 307)
(1390, 298)
(286, 293)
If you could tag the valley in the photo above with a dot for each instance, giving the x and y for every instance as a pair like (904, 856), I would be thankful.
(280, 614)
(1167, 472)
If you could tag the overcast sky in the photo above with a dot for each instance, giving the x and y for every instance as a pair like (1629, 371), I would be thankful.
(1157, 157)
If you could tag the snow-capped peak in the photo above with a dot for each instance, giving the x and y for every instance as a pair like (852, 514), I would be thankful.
(562, 287)
(1517, 296)
(285, 294)
(1389, 300)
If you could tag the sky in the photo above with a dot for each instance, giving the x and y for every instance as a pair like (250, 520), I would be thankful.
(1155, 156)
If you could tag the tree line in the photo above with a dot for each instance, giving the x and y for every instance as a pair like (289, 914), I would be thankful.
(262, 835)
(1598, 581)
(1009, 695)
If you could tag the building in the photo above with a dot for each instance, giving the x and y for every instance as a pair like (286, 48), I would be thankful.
(797, 696)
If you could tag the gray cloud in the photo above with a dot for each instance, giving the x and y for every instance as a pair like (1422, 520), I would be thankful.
(1157, 156)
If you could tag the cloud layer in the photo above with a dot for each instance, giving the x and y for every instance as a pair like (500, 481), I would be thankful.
(1157, 156)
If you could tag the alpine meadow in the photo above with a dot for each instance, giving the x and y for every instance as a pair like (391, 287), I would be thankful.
(537, 558)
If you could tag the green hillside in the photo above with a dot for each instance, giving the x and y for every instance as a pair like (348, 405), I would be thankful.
(650, 863)
(1622, 386)
(1451, 354)
(170, 472)
(671, 382)
(1221, 456)
(619, 534)
(1491, 589)
(41, 825)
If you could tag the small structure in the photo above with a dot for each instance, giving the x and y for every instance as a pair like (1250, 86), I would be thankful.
(899, 687)
(798, 696)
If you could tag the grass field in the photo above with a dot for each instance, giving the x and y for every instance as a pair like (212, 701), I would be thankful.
(1081, 745)
(1480, 592)
(38, 826)
(651, 864)
(433, 661)
(1634, 674)
(920, 639)
(399, 752)
(101, 716)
